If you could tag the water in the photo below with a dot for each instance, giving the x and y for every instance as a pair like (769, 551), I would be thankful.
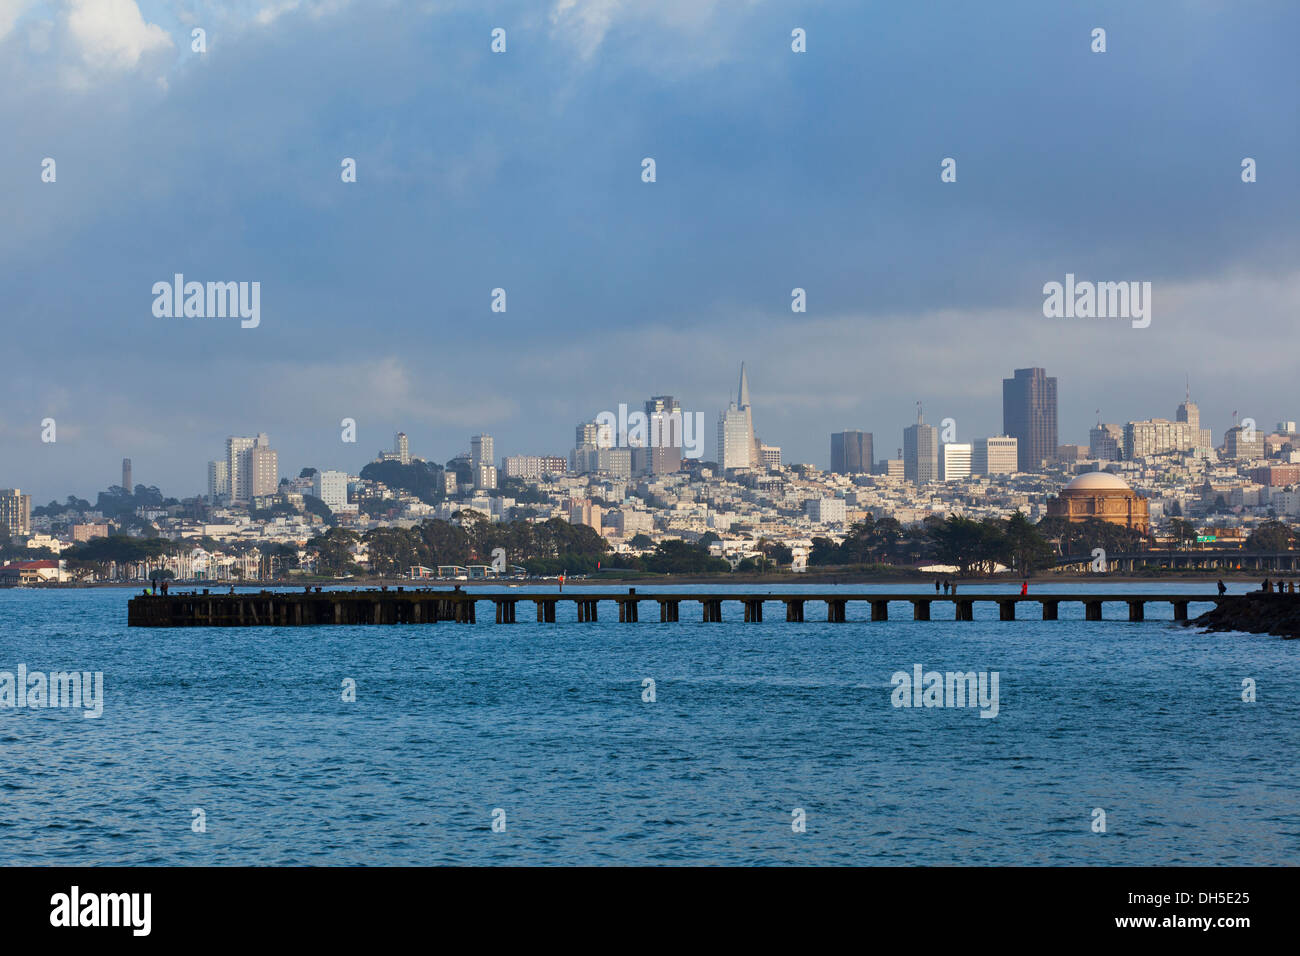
(547, 723)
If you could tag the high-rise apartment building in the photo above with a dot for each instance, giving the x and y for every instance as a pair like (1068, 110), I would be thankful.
(996, 455)
(770, 455)
(851, 453)
(237, 449)
(920, 451)
(15, 511)
(218, 482)
(532, 467)
(402, 448)
(249, 475)
(263, 471)
(1029, 416)
(1159, 436)
(331, 487)
(481, 450)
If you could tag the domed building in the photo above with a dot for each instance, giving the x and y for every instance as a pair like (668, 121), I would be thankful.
(1099, 494)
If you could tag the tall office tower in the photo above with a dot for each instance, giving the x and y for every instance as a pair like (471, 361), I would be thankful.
(737, 446)
(218, 481)
(237, 449)
(1106, 442)
(590, 439)
(402, 448)
(921, 451)
(481, 450)
(994, 456)
(15, 511)
(126, 475)
(1029, 415)
(1202, 439)
(1189, 412)
(955, 460)
(734, 445)
(664, 454)
(851, 453)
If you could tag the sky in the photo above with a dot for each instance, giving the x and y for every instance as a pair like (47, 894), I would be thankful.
(522, 171)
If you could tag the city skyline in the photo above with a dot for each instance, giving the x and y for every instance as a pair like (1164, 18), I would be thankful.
(352, 459)
(909, 282)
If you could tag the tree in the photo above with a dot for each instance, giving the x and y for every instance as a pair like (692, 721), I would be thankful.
(1184, 532)
(1271, 536)
(1029, 551)
(965, 542)
(421, 478)
(334, 550)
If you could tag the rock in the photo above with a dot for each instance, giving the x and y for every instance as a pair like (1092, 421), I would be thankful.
(1254, 613)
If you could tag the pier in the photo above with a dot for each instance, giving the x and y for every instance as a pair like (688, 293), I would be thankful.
(316, 607)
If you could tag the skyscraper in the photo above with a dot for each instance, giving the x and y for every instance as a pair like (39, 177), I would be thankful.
(237, 449)
(15, 511)
(126, 475)
(218, 481)
(1029, 415)
(920, 451)
(402, 448)
(665, 452)
(248, 474)
(737, 446)
(851, 453)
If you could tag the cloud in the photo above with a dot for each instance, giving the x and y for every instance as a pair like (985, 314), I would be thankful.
(588, 22)
(112, 34)
(10, 11)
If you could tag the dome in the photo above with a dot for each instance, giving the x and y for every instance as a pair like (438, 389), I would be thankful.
(1097, 481)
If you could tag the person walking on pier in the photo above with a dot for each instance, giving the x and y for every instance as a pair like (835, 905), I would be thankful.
(1223, 588)
(1024, 588)
(936, 585)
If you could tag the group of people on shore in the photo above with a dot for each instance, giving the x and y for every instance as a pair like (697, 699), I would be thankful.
(1281, 588)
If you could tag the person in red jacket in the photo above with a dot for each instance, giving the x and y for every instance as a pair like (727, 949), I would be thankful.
(1024, 588)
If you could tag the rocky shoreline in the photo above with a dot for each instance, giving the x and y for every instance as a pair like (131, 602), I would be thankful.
(1254, 613)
